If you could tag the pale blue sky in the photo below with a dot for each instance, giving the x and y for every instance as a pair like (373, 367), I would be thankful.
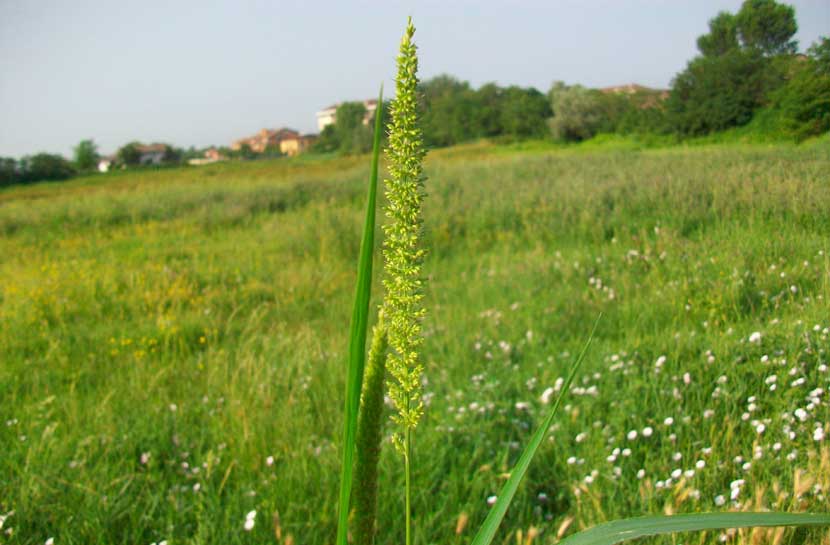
(200, 72)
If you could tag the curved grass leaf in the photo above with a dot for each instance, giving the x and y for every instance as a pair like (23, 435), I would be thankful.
(633, 528)
(357, 337)
(491, 523)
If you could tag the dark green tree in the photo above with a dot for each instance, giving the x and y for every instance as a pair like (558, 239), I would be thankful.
(46, 166)
(524, 113)
(129, 154)
(746, 58)
(327, 141)
(352, 128)
(716, 93)
(172, 154)
(245, 152)
(767, 26)
(86, 155)
(9, 172)
(803, 104)
(449, 109)
(488, 104)
(722, 36)
(820, 53)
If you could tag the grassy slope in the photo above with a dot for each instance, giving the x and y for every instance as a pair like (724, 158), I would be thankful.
(200, 316)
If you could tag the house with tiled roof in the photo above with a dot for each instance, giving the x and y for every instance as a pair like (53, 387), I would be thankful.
(265, 139)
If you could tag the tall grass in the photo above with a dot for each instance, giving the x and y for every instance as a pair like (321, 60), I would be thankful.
(109, 289)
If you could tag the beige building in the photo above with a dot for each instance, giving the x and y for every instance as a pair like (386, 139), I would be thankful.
(287, 141)
(328, 116)
(265, 139)
(295, 145)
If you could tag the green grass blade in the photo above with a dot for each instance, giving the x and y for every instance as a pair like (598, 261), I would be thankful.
(633, 528)
(357, 337)
(491, 523)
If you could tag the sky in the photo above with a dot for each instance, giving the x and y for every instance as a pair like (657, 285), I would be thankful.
(198, 73)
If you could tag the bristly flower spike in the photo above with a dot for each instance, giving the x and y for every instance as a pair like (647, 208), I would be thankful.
(402, 252)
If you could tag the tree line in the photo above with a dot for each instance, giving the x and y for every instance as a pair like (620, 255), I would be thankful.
(748, 72)
(85, 158)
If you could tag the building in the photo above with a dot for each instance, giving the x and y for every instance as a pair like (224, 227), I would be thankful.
(151, 154)
(212, 155)
(105, 163)
(265, 139)
(295, 145)
(328, 116)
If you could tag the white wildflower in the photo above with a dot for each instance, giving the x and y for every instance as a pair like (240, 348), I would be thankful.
(250, 519)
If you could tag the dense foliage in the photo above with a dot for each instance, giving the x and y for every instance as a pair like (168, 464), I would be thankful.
(86, 155)
(720, 92)
(454, 112)
(803, 105)
(35, 168)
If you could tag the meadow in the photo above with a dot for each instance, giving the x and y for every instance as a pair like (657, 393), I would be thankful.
(173, 344)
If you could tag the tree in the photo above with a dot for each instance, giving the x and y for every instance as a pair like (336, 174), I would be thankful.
(9, 172)
(820, 53)
(129, 154)
(172, 154)
(327, 141)
(524, 113)
(722, 36)
(449, 107)
(86, 155)
(488, 104)
(716, 93)
(767, 26)
(745, 58)
(46, 166)
(803, 104)
(350, 132)
(577, 113)
(245, 152)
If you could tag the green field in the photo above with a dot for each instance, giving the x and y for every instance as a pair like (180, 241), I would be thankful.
(173, 344)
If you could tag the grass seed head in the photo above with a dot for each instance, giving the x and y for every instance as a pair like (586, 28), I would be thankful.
(402, 245)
